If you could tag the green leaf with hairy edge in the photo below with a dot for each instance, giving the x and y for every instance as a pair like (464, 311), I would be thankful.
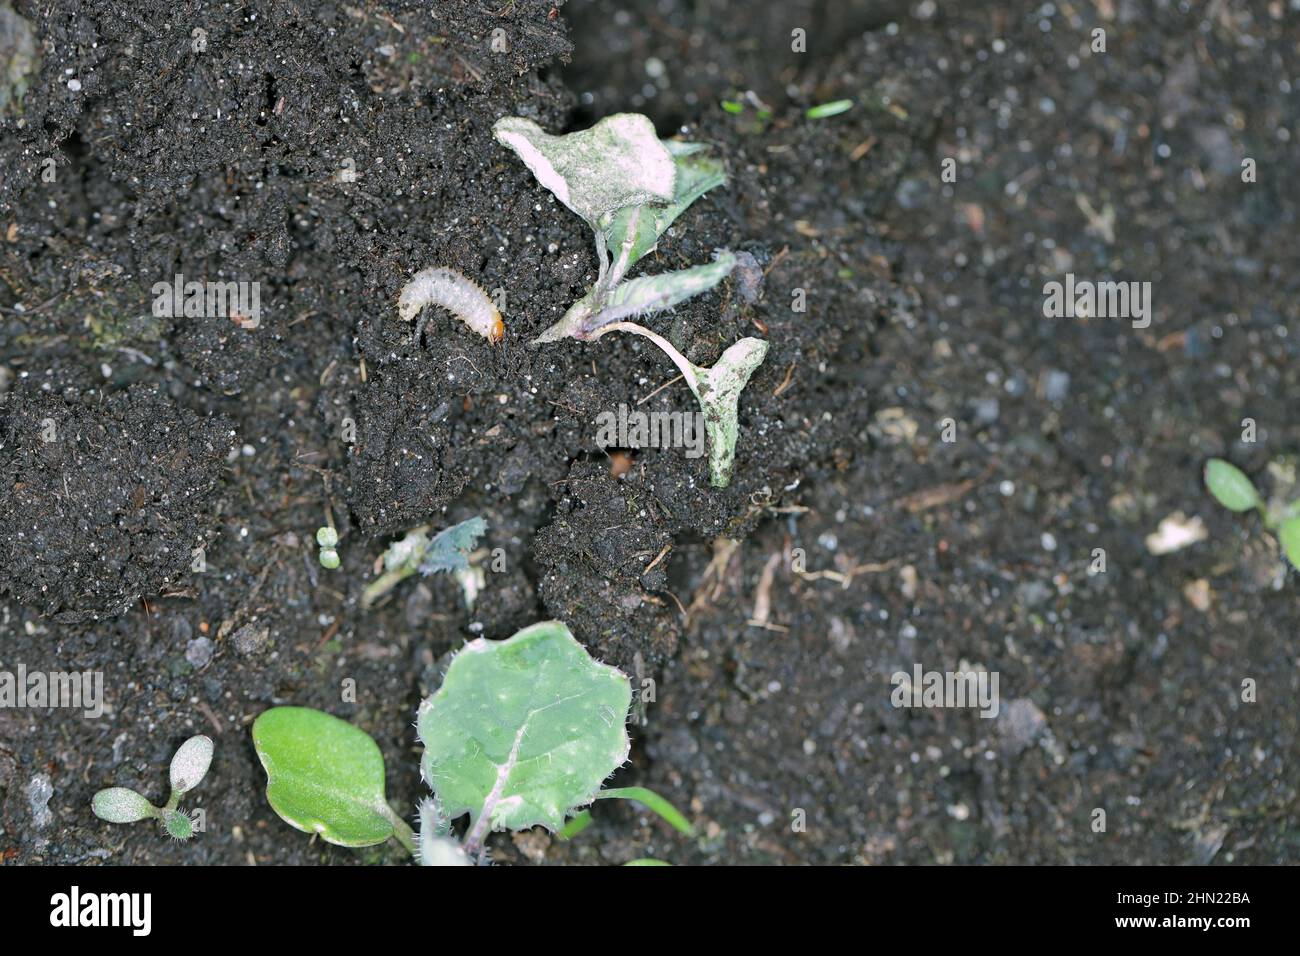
(647, 861)
(1230, 486)
(1289, 534)
(120, 805)
(323, 775)
(618, 162)
(633, 231)
(652, 801)
(523, 730)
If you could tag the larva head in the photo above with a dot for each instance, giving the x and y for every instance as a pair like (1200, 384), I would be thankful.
(497, 330)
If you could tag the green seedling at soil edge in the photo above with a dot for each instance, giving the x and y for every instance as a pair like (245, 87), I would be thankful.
(629, 186)
(1235, 491)
(448, 550)
(188, 768)
(328, 539)
(521, 733)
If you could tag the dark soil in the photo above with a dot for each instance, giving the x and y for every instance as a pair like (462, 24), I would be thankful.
(852, 543)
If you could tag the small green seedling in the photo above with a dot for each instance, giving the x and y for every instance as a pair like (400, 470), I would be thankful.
(1236, 492)
(448, 550)
(328, 539)
(629, 187)
(188, 768)
(521, 733)
(825, 110)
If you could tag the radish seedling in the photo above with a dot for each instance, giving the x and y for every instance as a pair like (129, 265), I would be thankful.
(189, 766)
(1236, 492)
(629, 187)
(521, 733)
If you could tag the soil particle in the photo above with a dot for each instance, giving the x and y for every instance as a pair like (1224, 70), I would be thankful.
(123, 486)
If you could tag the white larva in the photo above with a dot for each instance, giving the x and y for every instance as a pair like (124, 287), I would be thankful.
(452, 291)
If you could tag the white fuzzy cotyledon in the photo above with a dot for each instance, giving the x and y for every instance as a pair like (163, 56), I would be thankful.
(461, 296)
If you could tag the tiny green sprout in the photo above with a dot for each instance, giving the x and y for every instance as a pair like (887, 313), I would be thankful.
(833, 108)
(448, 550)
(629, 187)
(188, 768)
(328, 538)
(1231, 487)
(521, 733)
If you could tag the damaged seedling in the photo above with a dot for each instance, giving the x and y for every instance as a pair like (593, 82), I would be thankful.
(717, 389)
(448, 550)
(1281, 514)
(521, 733)
(629, 187)
(188, 768)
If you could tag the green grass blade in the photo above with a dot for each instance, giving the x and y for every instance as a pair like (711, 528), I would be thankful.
(651, 801)
(834, 108)
(575, 826)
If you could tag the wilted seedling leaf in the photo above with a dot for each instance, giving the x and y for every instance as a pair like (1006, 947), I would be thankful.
(1230, 486)
(190, 763)
(717, 389)
(120, 805)
(651, 294)
(446, 551)
(323, 775)
(449, 549)
(634, 231)
(522, 731)
(618, 162)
